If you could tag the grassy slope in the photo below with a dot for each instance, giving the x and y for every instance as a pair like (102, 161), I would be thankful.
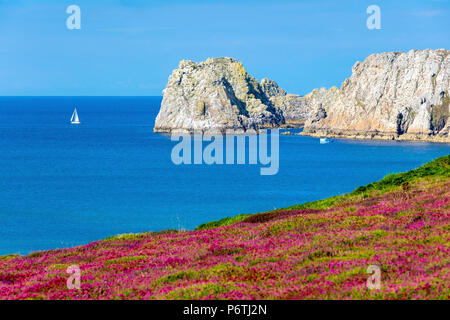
(436, 168)
(315, 250)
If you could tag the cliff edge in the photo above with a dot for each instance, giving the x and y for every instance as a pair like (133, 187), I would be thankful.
(394, 95)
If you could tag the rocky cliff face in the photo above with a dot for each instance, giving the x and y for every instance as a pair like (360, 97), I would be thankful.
(215, 95)
(318, 102)
(218, 94)
(295, 109)
(393, 95)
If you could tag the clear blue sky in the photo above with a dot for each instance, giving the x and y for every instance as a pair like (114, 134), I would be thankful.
(130, 47)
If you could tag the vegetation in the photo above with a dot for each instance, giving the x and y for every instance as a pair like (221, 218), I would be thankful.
(201, 107)
(222, 222)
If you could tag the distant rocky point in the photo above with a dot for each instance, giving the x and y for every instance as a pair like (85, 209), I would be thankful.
(393, 95)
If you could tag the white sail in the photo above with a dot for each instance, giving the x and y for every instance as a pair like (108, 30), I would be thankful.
(75, 118)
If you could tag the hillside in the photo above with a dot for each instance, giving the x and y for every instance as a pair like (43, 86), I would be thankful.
(317, 250)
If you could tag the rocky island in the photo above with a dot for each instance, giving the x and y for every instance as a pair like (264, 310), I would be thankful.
(218, 95)
(394, 95)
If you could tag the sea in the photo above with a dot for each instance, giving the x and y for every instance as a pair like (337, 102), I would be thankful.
(64, 185)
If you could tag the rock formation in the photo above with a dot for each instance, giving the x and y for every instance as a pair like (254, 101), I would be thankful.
(215, 95)
(295, 109)
(218, 94)
(394, 95)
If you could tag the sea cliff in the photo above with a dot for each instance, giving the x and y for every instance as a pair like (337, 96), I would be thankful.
(218, 95)
(214, 95)
(393, 95)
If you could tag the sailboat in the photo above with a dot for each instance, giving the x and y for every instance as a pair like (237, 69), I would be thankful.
(75, 119)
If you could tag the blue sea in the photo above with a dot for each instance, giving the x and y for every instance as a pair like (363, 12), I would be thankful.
(64, 185)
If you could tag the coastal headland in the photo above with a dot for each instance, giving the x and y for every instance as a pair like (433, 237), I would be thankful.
(392, 95)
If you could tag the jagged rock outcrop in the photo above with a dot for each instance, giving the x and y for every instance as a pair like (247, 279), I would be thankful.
(394, 95)
(318, 101)
(216, 95)
(295, 109)
(271, 88)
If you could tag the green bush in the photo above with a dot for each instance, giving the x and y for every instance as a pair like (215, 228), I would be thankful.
(439, 167)
(222, 222)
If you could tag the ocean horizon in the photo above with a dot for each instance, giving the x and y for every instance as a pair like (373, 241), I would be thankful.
(65, 185)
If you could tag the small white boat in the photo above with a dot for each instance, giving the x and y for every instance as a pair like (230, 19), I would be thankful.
(325, 140)
(75, 119)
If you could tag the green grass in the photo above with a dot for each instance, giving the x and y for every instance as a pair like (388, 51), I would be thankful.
(319, 204)
(125, 259)
(137, 236)
(222, 222)
(439, 167)
(9, 256)
(182, 275)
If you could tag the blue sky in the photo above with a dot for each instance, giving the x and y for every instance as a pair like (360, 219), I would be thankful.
(130, 47)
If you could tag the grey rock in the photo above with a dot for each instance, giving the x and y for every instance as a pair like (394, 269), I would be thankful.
(394, 95)
(271, 88)
(217, 95)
